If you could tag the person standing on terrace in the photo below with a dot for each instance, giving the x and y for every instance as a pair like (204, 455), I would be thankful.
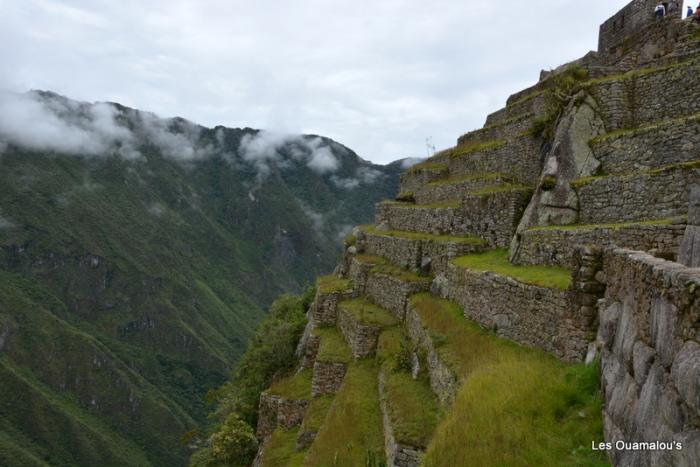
(660, 11)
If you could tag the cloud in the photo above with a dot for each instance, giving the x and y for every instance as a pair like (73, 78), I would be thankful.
(263, 150)
(47, 122)
(410, 162)
(60, 125)
(345, 183)
(322, 159)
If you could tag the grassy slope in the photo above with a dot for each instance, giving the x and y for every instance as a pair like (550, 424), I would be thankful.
(517, 406)
(352, 429)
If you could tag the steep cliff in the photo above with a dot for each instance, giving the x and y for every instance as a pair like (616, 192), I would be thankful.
(527, 296)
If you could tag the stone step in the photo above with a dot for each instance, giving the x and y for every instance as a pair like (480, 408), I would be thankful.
(555, 245)
(329, 291)
(519, 158)
(360, 323)
(331, 362)
(415, 251)
(456, 187)
(531, 305)
(490, 215)
(284, 404)
(413, 179)
(509, 128)
(531, 101)
(410, 410)
(648, 147)
(634, 98)
(656, 194)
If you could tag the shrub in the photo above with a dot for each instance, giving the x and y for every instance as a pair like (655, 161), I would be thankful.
(235, 443)
(548, 183)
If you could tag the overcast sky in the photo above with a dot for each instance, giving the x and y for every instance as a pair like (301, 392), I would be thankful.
(378, 76)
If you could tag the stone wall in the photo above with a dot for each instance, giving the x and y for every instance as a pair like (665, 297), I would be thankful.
(324, 308)
(442, 380)
(650, 360)
(397, 454)
(638, 197)
(441, 192)
(416, 177)
(555, 247)
(361, 338)
(358, 272)
(492, 217)
(327, 378)
(418, 255)
(530, 315)
(275, 411)
(391, 293)
(519, 158)
(512, 127)
(631, 18)
(641, 98)
(651, 147)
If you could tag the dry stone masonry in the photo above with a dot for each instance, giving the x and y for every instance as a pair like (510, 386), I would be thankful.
(610, 193)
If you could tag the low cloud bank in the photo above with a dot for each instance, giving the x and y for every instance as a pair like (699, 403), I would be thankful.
(47, 122)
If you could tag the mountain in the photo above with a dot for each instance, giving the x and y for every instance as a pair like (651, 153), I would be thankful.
(137, 255)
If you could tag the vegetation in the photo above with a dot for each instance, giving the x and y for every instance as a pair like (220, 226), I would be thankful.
(293, 387)
(367, 313)
(470, 240)
(548, 183)
(352, 432)
(472, 177)
(400, 273)
(442, 205)
(502, 188)
(561, 88)
(621, 225)
(316, 413)
(496, 261)
(280, 450)
(234, 442)
(271, 352)
(689, 165)
(427, 165)
(413, 410)
(406, 197)
(332, 283)
(468, 148)
(332, 347)
(517, 406)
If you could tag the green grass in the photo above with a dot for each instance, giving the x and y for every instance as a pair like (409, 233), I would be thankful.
(502, 188)
(471, 148)
(370, 259)
(280, 450)
(681, 121)
(516, 407)
(294, 387)
(469, 240)
(400, 273)
(689, 165)
(618, 226)
(332, 348)
(454, 204)
(367, 313)
(332, 283)
(427, 165)
(470, 178)
(316, 413)
(353, 426)
(496, 261)
(413, 409)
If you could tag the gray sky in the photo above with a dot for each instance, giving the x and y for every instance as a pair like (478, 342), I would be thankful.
(378, 76)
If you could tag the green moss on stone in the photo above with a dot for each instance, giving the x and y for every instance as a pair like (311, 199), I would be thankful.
(367, 313)
(470, 240)
(332, 283)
